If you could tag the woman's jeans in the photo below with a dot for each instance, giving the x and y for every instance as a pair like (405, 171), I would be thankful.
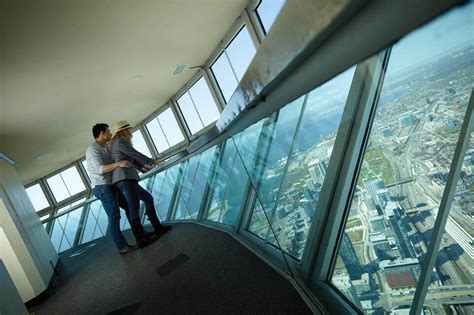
(111, 200)
(133, 193)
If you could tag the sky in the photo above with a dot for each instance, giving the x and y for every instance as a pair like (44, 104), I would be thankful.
(452, 29)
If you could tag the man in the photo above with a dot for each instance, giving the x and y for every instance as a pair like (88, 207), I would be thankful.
(100, 167)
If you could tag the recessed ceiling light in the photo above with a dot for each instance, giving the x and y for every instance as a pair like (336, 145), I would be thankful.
(44, 157)
(137, 77)
(180, 69)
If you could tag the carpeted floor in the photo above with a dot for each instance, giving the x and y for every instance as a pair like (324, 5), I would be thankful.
(190, 270)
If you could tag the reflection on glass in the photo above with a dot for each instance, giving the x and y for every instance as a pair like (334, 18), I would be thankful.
(267, 12)
(227, 182)
(308, 162)
(65, 229)
(96, 223)
(164, 131)
(231, 65)
(66, 184)
(290, 165)
(139, 143)
(264, 148)
(404, 172)
(198, 106)
(164, 185)
(37, 197)
(192, 185)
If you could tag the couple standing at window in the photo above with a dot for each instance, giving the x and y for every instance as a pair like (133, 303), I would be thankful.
(112, 170)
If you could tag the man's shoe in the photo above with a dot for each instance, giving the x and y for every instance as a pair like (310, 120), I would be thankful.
(127, 249)
(144, 242)
(163, 229)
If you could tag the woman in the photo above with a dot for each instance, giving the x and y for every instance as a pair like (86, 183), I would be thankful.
(126, 180)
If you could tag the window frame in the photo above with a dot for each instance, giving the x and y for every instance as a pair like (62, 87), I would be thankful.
(244, 20)
(41, 184)
(69, 199)
(149, 140)
(174, 100)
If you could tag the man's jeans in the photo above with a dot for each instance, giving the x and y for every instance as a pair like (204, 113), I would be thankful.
(109, 197)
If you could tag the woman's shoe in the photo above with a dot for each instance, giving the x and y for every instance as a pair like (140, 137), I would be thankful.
(127, 249)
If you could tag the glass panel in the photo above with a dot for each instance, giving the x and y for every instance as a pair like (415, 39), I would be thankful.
(204, 102)
(264, 148)
(165, 185)
(227, 186)
(139, 143)
(186, 105)
(155, 188)
(65, 244)
(240, 52)
(187, 174)
(37, 197)
(405, 166)
(455, 263)
(193, 184)
(66, 184)
(267, 12)
(57, 234)
(231, 65)
(58, 188)
(197, 190)
(73, 181)
(224, 76)
(91, 229)
(310, 156)
(170, 127)
(157, 135)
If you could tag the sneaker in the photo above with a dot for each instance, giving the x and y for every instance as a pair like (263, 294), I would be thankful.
(127, 249)
(163, 229)
(144, 242)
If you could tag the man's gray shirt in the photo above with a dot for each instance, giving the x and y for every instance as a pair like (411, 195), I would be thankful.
(96, 157)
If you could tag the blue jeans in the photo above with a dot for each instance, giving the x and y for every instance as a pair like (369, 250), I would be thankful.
(111, 200)
(133, 193)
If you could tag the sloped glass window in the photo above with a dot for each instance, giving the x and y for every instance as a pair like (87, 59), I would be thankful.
(267, 11)
(66, 184)
(37, 197)
(198, 106)
(404, 173)
(231, 65)
(164, 131)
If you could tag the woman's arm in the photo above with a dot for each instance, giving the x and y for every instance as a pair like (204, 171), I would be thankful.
(126, 148)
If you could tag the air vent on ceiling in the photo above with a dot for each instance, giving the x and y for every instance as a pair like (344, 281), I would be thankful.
(180, 69)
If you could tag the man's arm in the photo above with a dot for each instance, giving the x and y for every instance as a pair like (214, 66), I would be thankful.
(107, 168)
(94, 163)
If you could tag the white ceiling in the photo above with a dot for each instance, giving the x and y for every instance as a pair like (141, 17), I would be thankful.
(65, 65)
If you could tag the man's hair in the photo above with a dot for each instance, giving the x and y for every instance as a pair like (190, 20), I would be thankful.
(98, 128)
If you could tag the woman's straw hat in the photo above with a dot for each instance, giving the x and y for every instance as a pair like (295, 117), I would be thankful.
(121, 125)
